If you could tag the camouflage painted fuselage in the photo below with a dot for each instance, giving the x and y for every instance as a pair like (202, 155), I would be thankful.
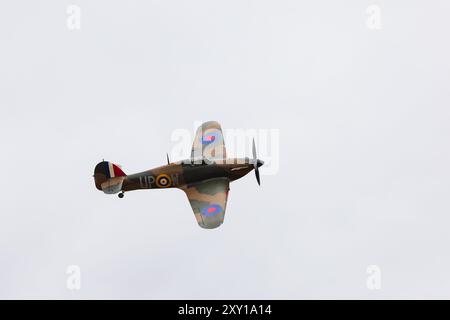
(185, 174)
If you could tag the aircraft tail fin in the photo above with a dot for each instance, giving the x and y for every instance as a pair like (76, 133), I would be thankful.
(107, 171)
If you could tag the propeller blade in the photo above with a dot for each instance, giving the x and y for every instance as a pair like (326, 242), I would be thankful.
(257, 176)
(255, 163)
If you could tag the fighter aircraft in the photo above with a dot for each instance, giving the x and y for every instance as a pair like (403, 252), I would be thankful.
(205, 177)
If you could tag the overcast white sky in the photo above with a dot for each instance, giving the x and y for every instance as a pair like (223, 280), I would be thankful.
(363, 116)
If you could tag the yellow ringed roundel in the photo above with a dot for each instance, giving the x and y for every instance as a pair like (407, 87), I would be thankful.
(163, 181)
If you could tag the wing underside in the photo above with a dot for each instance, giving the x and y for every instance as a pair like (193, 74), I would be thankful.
(208, 200)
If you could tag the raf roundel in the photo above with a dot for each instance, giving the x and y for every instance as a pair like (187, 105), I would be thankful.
(208, 138)
(211, 210)
(163, 181)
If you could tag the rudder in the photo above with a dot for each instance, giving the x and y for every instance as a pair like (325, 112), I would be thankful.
(107, 176)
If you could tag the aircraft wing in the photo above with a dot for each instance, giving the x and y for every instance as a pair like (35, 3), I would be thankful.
(208, 142)
(208, 200)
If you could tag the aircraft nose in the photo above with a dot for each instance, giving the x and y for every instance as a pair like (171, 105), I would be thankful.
(259, 163)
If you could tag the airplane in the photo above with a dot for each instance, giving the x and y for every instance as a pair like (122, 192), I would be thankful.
(205, 177)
